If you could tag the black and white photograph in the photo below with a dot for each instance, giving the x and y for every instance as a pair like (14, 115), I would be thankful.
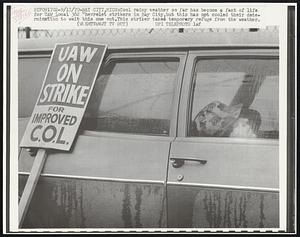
(167, 128)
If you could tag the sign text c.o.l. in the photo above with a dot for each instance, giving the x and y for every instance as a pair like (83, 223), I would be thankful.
(67, 87)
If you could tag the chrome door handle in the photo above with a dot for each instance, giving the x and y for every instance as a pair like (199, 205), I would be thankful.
(179, 161)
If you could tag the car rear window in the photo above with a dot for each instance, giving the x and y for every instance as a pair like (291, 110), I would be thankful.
(235, 98)
(133, 96)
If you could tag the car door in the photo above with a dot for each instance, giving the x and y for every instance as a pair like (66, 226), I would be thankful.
(115, 174)
(224, 164)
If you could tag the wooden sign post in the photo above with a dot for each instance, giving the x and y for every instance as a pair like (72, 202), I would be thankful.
(67, 87)
(32, 180)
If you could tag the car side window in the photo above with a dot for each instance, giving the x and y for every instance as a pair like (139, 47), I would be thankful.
(235, 98)
(133, 96)
(31, 73)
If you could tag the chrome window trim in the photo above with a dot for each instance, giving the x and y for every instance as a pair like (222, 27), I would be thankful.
(230, 140)
(96, 178)
(35, 56)
(170, 47)
(220, 186)
(133, 136)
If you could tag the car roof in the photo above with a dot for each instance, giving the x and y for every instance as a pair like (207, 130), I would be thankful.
(158, 39)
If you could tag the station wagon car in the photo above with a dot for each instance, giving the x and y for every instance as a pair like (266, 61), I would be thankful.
(181, 131)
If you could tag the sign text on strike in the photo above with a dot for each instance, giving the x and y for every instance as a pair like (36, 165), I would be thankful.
(64, 96)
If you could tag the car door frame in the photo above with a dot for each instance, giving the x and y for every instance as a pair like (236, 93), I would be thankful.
(185, 107)
(133, 55)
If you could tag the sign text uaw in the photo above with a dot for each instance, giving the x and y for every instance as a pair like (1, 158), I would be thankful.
(63, 98)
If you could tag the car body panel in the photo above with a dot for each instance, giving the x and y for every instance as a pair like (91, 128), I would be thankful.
(202, 207)
(83, 203)
(97, 156)
(232, 164)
